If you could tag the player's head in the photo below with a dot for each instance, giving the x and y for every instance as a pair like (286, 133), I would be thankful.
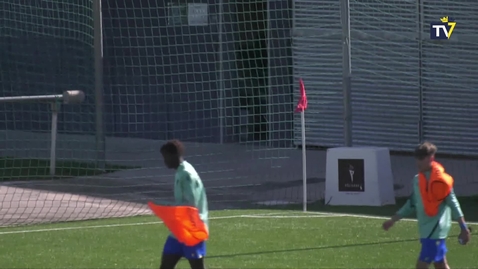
(425, 155)
(172, 153)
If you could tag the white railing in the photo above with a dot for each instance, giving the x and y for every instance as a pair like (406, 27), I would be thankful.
(67, 98)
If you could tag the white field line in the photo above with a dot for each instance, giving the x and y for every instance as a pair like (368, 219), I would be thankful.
(258, 215)
(290, 216)
(367, 216)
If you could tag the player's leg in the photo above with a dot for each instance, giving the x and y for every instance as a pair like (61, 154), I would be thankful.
(197, 263)
(169, 261)
(427, 253)
(433, 251)
(422, 265)
(440, 261)
(172, 253)
(195, 255)
(441, 265)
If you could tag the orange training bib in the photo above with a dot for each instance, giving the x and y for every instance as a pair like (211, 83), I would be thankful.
(436, 189)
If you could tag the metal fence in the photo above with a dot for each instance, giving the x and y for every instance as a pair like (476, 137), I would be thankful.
(405, 87)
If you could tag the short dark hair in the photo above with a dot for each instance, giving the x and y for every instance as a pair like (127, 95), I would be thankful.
(173, 147)
(424, 150)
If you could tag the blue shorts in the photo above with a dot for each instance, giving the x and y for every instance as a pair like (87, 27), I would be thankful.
(433, 250)
(174, 247)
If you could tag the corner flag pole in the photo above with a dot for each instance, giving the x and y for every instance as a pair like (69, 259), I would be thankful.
(301, 107)
(304, 161)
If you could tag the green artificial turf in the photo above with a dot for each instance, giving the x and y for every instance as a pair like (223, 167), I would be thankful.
(239, 239)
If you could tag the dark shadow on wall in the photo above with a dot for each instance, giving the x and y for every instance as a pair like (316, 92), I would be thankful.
(160, 73)
(252, 63)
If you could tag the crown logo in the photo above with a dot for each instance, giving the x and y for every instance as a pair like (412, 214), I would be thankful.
(444, 19)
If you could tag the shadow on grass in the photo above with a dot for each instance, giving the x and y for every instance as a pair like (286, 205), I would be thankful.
(317, 248)
(311, 248)
(468, 205)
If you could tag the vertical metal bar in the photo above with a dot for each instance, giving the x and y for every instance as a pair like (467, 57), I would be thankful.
(420, 70)
(54, 130)
(347, 71)
(302, 120)
(269, 77)
(222, 87)
(98, 50)
(294, 72)
(304, 162)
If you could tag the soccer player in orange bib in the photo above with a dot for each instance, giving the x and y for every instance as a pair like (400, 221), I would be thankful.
(189, 191)
(435, 204)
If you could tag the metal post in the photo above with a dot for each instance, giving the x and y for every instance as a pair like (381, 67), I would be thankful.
(420, 67)
(347, 71)
(98, 49)
(304, 162)
(54, 130)
(222, 87)
(67, 98)
(269, 77)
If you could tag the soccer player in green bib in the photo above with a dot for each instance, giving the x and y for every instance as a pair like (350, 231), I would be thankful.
(188, 190)
(434, 214)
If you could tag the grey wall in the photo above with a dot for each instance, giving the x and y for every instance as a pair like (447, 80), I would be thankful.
(405, 87)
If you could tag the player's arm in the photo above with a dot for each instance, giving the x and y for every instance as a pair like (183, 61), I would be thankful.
(456, 212)
(407, 209)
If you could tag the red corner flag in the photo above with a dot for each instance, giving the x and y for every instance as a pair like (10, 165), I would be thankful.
(302, 104)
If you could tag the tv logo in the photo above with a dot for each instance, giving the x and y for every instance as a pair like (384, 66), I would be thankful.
(443, 29)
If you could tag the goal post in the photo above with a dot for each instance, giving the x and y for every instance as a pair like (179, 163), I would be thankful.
(215, 75)
(54, 100)
(99, 85)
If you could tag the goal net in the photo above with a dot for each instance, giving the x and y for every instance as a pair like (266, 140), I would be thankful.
(215, 76)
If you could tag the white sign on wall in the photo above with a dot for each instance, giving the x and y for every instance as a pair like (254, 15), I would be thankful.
(197, 14)
(359, 176)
